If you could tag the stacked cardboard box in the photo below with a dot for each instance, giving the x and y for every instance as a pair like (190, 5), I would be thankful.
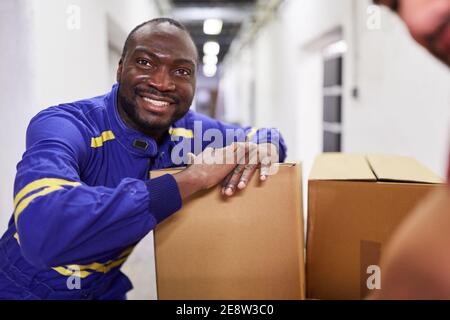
(249, 246)
(354, 205)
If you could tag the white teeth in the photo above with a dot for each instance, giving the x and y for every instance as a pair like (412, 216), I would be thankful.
(156, 102)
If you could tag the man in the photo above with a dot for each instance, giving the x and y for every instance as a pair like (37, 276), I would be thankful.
(416, 263)
(82, 194)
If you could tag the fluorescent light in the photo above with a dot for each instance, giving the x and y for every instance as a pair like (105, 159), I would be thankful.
(211, 48)
(209, 70)
(210, 59)
(212, 26)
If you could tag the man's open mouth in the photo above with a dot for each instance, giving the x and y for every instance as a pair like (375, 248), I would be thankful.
(154, 105)
(157, 103)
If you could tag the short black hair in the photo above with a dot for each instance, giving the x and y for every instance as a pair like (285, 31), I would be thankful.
(171, 21)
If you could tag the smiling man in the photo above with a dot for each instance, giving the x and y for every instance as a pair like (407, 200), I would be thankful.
(82, 195)
(157, 77)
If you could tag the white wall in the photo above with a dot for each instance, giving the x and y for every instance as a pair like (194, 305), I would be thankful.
(17, 97)
(404, 107)
(69, 63)
(285, 71)
(307, 24)
(404, 93)
(237, 97)
(73, 63)
(44, 62)
(404, 100)
(287, 68)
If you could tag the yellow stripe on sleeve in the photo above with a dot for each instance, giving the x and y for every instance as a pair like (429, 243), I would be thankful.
(72, 272)
(23, 204)
(72, 269)
(45, 182)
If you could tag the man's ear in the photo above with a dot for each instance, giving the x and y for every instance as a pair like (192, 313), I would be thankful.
(119, 70)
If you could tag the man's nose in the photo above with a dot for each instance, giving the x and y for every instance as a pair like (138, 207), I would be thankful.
(161, 80)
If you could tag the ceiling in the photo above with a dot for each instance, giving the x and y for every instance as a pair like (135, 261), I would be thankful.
(233, 13)
(211, 2)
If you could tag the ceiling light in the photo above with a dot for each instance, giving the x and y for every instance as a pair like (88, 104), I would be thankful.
(209, 70)
(212, 26)
(211, 48)
(210, 59)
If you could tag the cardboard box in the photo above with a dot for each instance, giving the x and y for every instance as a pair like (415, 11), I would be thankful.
(249, 246)
(354, 205)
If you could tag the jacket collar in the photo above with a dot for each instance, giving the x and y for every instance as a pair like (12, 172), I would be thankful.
(134, 141)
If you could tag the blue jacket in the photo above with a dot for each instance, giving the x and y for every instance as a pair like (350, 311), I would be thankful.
(83, 198)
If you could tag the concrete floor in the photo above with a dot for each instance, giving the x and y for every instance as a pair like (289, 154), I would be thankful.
(140, 268)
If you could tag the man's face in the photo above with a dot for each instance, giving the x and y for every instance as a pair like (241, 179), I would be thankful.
(429, 24)
(157, 77)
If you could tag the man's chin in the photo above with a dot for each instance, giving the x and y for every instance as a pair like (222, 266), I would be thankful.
(155, 123)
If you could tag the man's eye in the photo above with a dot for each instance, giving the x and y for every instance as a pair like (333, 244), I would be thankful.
(143, 62)
(183, 72)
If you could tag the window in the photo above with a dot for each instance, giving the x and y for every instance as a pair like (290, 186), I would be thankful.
(333, 56)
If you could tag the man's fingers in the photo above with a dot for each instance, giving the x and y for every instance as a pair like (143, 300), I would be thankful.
(190, 159)
(269, 167)
(266, 168)
(248, 157)
(241, 157)
(269, 157)
(247, 175)
(251, 163)
(226, 180)
(231, 185)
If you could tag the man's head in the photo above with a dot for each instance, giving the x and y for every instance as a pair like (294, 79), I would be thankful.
(156, 75)
(428, 22)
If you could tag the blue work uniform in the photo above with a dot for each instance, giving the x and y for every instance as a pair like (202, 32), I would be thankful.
(83, 198)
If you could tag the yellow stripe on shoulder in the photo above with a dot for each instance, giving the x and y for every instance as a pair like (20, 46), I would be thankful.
(181, 132)
(97, 142)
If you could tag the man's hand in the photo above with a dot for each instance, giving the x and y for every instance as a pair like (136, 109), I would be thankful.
(255, 156)
(208, 168)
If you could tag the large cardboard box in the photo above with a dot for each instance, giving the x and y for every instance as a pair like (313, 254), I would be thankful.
(354, 204)
(249, 246)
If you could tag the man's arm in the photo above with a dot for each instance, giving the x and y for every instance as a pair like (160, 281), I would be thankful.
(61, 220)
